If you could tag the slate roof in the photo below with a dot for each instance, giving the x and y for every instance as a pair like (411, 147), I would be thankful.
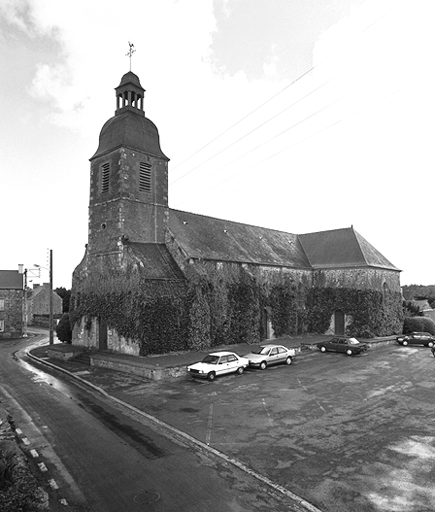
(156, 261)
(130, 78)
(342, 248)
(130, 129)
(11, 280)
(209, 238)
(222, 240)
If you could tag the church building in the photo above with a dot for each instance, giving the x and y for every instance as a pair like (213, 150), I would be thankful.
(155, 280)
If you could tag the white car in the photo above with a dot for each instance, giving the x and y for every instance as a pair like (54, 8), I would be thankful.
(266, 355)
(217, 363)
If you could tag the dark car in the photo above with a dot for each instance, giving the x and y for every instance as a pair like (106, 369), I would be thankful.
(417, 338)
(349, 346)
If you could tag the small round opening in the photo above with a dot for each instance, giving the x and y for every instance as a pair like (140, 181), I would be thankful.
(103, 225)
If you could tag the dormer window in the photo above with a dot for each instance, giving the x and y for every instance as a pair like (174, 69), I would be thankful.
(105, 178)
(144, 177)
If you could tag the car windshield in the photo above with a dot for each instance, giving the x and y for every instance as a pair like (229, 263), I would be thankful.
(353, 341)
(260, 350)
(211, 359)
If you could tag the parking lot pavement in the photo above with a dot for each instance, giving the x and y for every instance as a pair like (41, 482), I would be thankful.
(345, 433)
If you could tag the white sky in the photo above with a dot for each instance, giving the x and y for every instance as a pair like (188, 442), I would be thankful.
(349, 143)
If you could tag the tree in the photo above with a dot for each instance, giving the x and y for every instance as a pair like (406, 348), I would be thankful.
(65, 295)
(410, 308)
(63, 329)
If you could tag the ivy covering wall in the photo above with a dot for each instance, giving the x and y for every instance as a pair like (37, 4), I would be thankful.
(154, 314)
(223, 304)
(374, 313)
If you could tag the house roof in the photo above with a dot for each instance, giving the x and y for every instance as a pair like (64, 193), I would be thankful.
(155, 261)
(222, 240)
(342, 248)
(11, 280)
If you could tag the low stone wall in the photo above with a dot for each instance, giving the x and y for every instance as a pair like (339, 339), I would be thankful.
(146, 371)
(64, 351)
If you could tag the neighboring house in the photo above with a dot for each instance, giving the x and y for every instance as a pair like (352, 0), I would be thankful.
(424, 308)
(154, 279)
(11, 304)
(38, 305)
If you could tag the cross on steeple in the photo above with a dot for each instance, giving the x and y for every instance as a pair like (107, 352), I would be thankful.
(130, 52)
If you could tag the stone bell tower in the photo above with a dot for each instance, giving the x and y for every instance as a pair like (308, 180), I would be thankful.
(129, 177)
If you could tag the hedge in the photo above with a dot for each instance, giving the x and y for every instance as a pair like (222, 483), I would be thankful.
(419, 324)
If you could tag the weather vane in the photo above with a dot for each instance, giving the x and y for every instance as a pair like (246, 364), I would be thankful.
(130, 52)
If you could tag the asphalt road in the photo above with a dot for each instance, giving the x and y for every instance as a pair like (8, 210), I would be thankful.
(103, 459)
(345, 433)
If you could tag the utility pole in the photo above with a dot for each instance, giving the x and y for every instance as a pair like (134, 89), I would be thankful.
(50, 315)
(50, 318)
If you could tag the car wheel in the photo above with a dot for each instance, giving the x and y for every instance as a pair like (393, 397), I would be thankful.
(240, 370)
(322, 349)
(349, 352)
(263, 365)
(288, 360)
(430, 344)
(211, 376)
(404, 343)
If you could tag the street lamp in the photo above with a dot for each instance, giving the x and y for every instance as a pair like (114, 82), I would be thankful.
(50, 316)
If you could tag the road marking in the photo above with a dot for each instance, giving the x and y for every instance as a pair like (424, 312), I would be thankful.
(209, 425)
(267, 411)
(53, 483)
(317, 402)
(36, 433)
(42, 467)
(302, 386)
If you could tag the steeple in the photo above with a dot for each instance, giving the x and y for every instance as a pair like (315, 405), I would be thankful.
(129, 177)
(130, 95)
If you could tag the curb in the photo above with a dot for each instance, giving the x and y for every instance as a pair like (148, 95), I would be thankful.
(192, 440)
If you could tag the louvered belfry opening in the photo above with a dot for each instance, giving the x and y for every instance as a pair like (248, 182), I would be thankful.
(144, 177)
(105, 177)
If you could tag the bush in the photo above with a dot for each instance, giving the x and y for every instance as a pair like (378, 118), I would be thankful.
(63, 329)
(419, 324)
(19, 490)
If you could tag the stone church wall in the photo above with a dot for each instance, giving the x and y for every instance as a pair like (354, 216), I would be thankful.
(358, 278)
(123, 208)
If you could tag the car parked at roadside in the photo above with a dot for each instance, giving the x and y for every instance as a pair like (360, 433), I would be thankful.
(267, 355)
(349, 346)
(216, 364)
(417, 338)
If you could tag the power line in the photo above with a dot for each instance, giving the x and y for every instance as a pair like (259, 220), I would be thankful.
(243, 118)
(295, 144)
(291, 127)
(264, 103)
(254, 129)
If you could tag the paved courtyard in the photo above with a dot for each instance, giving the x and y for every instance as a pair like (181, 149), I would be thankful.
(345, 433)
